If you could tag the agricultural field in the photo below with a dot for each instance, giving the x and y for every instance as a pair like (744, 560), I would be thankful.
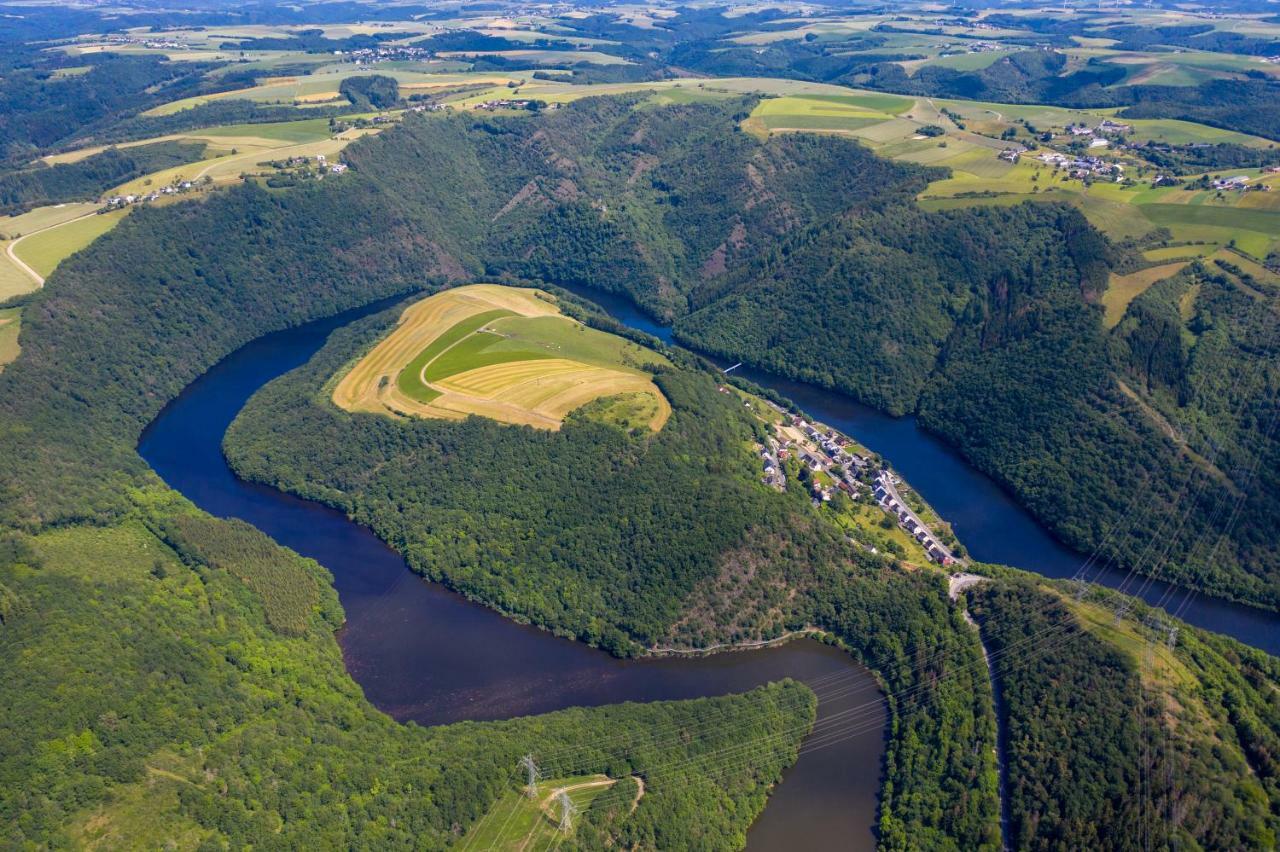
(43, 250)
(1248, 221)
(505, 353)
(521, 823)
(322, 86)
(1123, 289)
(15, 277)
(10, 325)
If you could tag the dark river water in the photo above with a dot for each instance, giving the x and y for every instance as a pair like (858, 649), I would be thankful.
(986, 518)
(423, 653)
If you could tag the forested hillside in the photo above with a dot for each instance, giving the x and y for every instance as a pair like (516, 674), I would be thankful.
(165, 669)
(88, 178)
(606, 536)
(805, 255)
(1113, 741)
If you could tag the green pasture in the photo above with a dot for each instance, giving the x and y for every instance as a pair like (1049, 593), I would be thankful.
(1179, 252)
(558, 337)
(479, 349)
(967, 61)
(517, 822)
(410, 379)
(624, 411)
(307, 130)
(1123, 289)
(40, 218)
(43, 251)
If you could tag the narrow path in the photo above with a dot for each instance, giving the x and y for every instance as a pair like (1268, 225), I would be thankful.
(735, 646)
(957, 583)
(21, 264)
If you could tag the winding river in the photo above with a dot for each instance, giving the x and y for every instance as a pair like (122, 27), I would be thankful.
(985, 517)
(423, 653)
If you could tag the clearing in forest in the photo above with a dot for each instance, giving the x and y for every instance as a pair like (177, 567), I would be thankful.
(1123, 289)
(520, 823)
(506, 353)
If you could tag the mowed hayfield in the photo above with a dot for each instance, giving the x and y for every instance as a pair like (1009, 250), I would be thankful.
(520, 823)
(14, 279)
(501, 352)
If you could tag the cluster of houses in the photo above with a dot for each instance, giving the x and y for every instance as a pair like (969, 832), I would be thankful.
(385, 53)
(322, 164)
(886, 496)
(1083, 167)
(829, 449)
(1234, 182)
(151, 43)
(115, 202)
(772, 456)
(1106, 126)
(507, 103)
(823, 450)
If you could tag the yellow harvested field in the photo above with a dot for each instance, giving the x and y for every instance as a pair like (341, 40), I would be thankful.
(501, 352)
(1123, 289)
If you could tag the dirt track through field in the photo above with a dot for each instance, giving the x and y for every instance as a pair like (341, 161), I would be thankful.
(536, 390)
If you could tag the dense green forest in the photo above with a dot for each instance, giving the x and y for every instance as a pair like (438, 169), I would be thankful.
(607, 536)
(164, 667)
(166, 662)
(90, 177)
(121, 327)
(38, 110)
(151, 697)
(772, 252)
(1111, 751)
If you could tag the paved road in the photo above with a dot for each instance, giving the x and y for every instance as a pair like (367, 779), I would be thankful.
(21, 264)
(892, 491)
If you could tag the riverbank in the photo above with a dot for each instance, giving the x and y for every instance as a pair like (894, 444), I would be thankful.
(423, 653)
(982, 514)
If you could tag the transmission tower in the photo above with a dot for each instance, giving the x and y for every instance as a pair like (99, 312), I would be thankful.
(531, 772)
(1081, 587)
(567, 810)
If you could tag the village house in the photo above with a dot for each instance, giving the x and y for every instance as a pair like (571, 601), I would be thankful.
(1234, 182)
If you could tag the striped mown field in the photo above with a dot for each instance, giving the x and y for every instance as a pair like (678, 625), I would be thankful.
(501, 352)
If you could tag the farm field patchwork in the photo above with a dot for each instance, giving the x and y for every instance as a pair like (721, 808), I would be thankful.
(14, 279)
(506, 353)
(891, 125)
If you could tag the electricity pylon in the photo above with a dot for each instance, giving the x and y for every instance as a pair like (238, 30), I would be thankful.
(531, 771)
(567, 810)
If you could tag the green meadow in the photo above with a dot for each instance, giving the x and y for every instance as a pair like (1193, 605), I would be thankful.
(521, 823)
(44, 250)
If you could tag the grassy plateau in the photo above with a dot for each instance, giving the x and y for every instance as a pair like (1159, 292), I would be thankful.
(505, 353)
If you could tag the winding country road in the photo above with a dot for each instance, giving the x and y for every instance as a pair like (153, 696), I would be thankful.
(23, 265)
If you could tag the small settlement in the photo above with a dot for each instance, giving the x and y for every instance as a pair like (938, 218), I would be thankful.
(830, 457)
